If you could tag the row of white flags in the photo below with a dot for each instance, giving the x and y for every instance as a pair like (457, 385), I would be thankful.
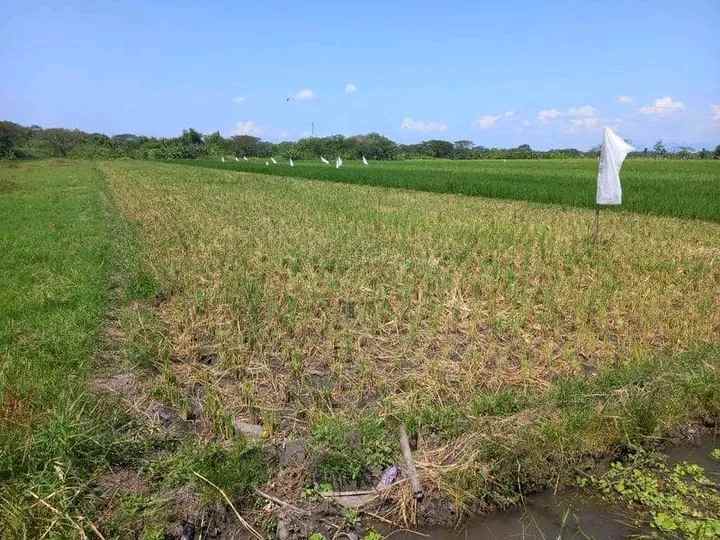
(338, 161)
(609, 190)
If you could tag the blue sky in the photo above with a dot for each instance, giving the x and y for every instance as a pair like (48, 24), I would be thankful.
(549, 74)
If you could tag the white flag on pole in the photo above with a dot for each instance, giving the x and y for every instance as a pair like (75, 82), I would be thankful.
(273, 160)
(365, 160)
(291, 163)
(245, 158)
(338, 162)
(223, 159)
(325, 161)
(236, 158)
(612, 155)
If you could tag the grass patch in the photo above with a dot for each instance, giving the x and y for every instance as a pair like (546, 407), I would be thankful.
(236, 468)
(64, 250)
(54, 271)
(348, 451)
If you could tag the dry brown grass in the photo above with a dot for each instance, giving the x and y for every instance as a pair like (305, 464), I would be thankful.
(360, 294)
(284, 300)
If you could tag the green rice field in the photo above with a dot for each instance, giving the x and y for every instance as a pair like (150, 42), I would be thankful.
(677, 188)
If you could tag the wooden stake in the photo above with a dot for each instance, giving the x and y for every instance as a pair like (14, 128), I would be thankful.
(409, 463)
(597, 223)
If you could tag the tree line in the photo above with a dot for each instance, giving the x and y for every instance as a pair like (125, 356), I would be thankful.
(20, 142)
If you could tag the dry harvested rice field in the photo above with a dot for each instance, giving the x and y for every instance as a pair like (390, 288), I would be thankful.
(274, 333)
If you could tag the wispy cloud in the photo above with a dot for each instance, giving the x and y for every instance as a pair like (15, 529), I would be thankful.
(715, 112)
(585, 111)
(547, 115)
(422, 125)
(238, 99)
(350, 88)
(663, 106)
(304, 95)
(489, 120)
(585, 122)
(624, 99)
(575, 118)
(247, 127)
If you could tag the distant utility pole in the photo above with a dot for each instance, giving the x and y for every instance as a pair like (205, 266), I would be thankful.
(313, 128)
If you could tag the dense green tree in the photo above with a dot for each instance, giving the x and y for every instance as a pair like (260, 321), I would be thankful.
(61, 141)
(659, 149)
(244, 145)
(22, 142)
(438, 149)
(11, 137)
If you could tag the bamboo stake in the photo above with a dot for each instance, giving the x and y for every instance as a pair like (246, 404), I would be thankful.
(409, 463)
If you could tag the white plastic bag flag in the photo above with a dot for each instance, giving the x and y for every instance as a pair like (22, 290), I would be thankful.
(291, 163)
(245, 158)
(236, 158)
(273, 160)
(223, 159)
(325, 161)
(612, 155)
(365, 160)
(338, 162)
(267, 164)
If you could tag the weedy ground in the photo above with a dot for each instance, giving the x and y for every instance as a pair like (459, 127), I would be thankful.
(513, 348)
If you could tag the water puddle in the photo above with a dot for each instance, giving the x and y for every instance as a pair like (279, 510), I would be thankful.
(568, 515)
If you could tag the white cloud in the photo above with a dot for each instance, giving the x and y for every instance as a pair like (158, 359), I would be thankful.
(586, 111)
(548, 114)
(304, 95)
(624, 99)
(421, 125)
(489, 120)
(247, 127)
(582, 117)
(663, 106)
(585, 122)
(715, 112)
(238, 99)
(350, 88)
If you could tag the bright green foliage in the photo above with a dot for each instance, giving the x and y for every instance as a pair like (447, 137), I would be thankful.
(502, 403)
(236, 468)
(348, 449)
(54, 241)
(676, 500)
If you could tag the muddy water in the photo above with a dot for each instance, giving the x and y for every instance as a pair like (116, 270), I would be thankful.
(569, 515)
